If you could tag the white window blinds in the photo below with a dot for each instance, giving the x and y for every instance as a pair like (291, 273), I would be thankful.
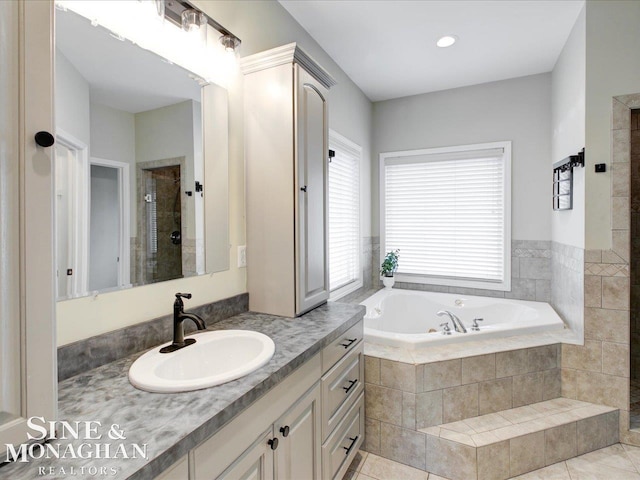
(344, 213)
(448, 214)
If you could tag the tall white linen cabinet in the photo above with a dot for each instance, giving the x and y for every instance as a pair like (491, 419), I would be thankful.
(286, 159)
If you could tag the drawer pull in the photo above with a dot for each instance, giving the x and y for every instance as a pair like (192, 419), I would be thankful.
(350, 341)
(285, 431)
(352, 383)
(353, 442)
(273, 443)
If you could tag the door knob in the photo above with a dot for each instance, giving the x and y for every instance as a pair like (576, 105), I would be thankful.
(44, 139)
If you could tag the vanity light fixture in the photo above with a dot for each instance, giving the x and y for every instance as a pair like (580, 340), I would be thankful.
(186, 15)
(446, 41)
(229, 42)
(193, 20)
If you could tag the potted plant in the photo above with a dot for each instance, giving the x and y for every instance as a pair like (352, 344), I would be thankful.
(388, 268)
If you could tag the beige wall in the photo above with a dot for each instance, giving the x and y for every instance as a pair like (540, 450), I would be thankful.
(568, 130)
(518, 110)
(72, 100)
(613, 68)
(261, 25)
(113, 137)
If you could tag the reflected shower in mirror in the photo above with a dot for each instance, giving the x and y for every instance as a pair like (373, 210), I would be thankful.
(129, 163)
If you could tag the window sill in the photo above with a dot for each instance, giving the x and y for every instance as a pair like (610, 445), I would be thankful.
(345, 290)
(454, 282)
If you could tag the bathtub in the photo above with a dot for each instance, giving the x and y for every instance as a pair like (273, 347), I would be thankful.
(407, 318)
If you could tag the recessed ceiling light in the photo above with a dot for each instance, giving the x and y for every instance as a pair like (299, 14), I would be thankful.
(446, 41)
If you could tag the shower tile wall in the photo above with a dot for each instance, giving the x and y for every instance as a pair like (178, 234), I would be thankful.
(166, 263)
(635, 244)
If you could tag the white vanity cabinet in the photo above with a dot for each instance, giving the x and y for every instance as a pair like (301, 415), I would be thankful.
(286, 156)
(309, 427)
(254, 444)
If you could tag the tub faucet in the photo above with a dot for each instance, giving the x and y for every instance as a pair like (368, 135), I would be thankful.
(457, 323)
(179, 316)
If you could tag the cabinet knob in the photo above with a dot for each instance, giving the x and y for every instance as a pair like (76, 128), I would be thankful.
(284, 431)
(304, 189)
(273, 443)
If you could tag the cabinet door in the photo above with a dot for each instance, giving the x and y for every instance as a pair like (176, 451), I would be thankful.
(27, 311)
(256, 463)
(177, 471)
(311, 190)
(298, 454)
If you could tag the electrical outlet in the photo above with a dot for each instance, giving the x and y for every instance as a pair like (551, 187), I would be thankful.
(242, 256)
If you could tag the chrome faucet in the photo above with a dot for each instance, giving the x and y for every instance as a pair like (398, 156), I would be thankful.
(179, 316)
(457, 323)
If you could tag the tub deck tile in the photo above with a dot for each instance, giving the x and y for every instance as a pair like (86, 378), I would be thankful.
(529, 437)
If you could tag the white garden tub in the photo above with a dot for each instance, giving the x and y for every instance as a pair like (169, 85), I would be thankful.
(407, 318)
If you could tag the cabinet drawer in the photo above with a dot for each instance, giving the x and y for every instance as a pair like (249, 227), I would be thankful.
(340, 346)
(340, 387)
(343, 444)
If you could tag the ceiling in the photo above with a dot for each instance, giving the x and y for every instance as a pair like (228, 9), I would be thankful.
(120, 74)
(388, 48)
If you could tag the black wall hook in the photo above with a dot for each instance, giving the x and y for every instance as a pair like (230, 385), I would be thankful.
(44, 139)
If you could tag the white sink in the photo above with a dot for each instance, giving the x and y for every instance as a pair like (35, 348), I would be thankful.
(216, 357)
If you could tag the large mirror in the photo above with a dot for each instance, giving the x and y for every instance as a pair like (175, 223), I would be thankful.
(130, 183)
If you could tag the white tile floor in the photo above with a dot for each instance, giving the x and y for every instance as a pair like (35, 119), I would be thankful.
(618, 462)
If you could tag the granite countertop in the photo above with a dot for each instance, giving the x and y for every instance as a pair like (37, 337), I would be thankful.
(172, 424)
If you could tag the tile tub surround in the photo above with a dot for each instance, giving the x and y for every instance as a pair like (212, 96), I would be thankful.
(173, 424)
(530, 275)
(567, 285)
(403, 398)
(84, 355)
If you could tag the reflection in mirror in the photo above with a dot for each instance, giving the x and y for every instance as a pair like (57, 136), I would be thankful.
(129, 163)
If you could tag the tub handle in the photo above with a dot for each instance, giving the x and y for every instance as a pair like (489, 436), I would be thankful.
(350, 341)
(445, 328)
(475, 327)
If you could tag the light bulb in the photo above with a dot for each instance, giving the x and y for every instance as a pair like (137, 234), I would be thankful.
(446, 41)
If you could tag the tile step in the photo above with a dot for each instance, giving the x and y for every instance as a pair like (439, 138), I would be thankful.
(505, 444)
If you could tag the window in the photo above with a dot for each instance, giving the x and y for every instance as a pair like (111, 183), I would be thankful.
(345, 271)
(448, 211)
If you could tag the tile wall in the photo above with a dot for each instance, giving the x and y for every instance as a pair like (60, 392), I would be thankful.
(401, 399)
(634, 173)
(599, 370)
(530, 273)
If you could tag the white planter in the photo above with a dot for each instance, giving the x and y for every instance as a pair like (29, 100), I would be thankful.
(388, 282)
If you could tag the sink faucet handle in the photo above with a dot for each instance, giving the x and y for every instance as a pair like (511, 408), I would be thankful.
(183, 295)
(445, 328)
